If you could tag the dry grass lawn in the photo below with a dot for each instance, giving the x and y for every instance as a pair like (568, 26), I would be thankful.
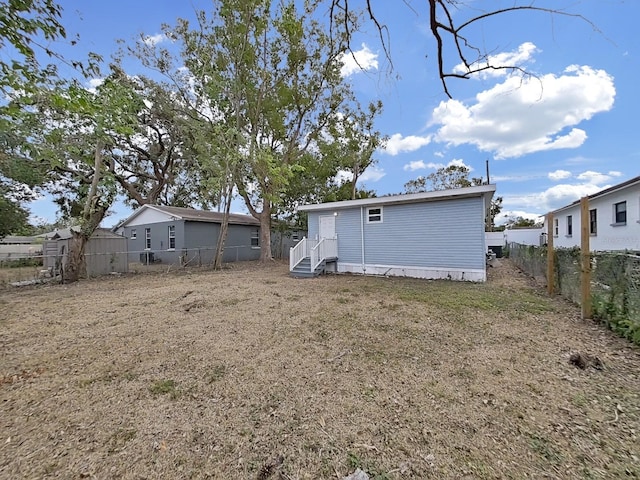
(250, 374)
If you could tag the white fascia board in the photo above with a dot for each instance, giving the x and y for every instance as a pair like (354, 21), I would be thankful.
(142, 209)
(481, 190)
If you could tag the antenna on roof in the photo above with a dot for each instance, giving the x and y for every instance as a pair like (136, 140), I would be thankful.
(488, 179)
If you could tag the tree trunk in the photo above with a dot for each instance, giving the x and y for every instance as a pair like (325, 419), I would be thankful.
(92, 214)
(265, 232)
(224, 228)
(76, 266)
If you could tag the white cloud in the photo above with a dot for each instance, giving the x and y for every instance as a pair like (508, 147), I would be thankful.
(413, 166)
(560, 195)
(559, 175)
(94, 83)
(596, 177)
(399, 144)
(359, 60)
(421, 165)
(505, 215)
(459, 163)
(526, 115)
(505, 59)
(152, 40)
(372, 174)
(343, 176)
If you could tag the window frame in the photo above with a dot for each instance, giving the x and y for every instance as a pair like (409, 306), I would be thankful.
(372, 216)
(172, 237)
(134, 234)
(593, 222)
(556, 227)
(569, 225)
(147, 238)
(617, 214)
(255, 238)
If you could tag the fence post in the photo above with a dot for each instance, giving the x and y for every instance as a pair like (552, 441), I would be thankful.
(551, 280)
(585, 258)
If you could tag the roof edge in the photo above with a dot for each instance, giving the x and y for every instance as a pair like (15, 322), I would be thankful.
(435, 195)
(602, 193)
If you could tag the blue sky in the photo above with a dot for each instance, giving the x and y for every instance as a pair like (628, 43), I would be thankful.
(549, 140)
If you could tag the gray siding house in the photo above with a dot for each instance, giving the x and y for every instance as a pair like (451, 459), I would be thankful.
(187, 237)
(433, 235)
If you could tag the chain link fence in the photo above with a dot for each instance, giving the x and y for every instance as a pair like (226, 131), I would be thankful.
(615, 282)
(615, 292)
(20, 269)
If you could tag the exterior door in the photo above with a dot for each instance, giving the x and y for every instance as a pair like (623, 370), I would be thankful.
(327, 228)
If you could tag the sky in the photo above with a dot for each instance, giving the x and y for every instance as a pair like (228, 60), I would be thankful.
(565, 132)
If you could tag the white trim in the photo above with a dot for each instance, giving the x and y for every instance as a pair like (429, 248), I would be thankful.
(377, 207)
(478, 191)
(432, 273)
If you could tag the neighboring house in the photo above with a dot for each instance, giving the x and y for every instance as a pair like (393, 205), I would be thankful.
(187, 236)
(426, 235)
(105, 252)
(614, 219)
(536, 236)
(14, 247)
(496, 241)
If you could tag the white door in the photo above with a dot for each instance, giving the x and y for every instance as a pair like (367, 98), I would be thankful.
(327, 228)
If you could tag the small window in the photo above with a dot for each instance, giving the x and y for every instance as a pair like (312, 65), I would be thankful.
(374, 215)
(569, 225)
(295, 237)
(172, 237)
(134, 233)
(255, 238)
(620, 213)
(147, 239)
(593, 222)
(555, 227)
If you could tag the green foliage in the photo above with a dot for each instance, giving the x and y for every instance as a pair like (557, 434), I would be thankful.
(262, 82)
(615, 283)
(21, 22)
(452, 176)
(13, 218)
(21, 262)
(615, 292)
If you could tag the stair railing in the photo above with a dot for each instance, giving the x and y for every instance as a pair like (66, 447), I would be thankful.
(297, 253)
(326, 248)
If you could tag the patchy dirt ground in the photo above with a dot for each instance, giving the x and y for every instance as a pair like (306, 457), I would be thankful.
(248, 373)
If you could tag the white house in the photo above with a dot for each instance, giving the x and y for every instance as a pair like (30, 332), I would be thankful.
(614, 219)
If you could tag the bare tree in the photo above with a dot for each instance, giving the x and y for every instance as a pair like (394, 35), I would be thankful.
(448, 32)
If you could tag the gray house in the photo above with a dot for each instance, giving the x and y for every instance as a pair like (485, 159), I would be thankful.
(186, 236)
(425, 235)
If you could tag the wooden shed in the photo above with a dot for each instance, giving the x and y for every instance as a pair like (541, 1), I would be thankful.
(105, 252)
